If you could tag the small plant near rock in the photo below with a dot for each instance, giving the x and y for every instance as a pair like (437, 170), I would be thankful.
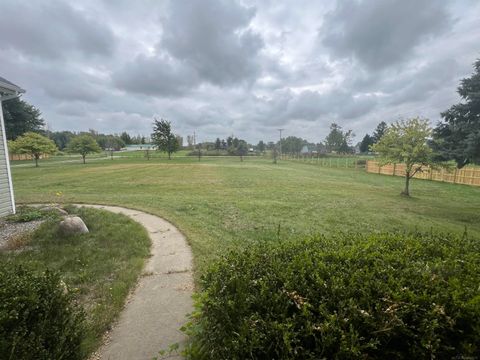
(26, 214)
(29, 213)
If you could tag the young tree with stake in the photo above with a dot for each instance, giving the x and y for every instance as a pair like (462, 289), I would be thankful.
(406, 142)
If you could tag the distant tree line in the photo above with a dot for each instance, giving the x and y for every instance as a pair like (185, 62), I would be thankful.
(455, 138)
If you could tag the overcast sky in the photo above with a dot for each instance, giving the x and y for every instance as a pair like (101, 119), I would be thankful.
(245, 67)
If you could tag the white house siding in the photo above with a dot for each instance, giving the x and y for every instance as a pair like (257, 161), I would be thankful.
(6, 203)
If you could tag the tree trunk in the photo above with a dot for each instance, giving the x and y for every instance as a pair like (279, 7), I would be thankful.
(241, 157)
(169, 157)
(406, 192)
(83, 157)
(36, 160)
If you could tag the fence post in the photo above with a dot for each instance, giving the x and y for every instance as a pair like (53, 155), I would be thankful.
(455, 176)
(394, 168)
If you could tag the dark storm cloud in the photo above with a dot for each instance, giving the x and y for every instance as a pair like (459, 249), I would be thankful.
(202, 41)
(380, 33)
(212, 36)
(52, 29)
(156, 76)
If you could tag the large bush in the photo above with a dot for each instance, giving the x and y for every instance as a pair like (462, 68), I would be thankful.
(382, 296)
(38, 318)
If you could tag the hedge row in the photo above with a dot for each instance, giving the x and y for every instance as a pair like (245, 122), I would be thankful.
(381, 296)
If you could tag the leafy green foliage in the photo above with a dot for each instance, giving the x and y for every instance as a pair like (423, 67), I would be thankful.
(367, 141)
(292, 145)
(38, 317)
(458, 137)
(338, 140)
(406, 142)
(29, 213)
(61, 138)
(163, 137)
(396, 296)
(26, 214)
(33, 144)
(20, 118)
(83, 145)
(242, 149)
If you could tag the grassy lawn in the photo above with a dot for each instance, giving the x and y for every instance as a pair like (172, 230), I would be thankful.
(101, 266)
(220, 203)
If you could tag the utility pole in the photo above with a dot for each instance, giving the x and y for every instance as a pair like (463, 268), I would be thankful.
(280, 143)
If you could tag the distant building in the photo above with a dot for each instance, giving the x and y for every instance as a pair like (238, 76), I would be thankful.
(8, 91)
(141, 147)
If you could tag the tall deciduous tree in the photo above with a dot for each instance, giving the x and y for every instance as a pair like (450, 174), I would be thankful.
(338, 140)
(406, 142)
(21, 117)
(458, 136)
(126, 138)
(261, 146)
(33, 144)
(163, 137)
(83, 145)
(242, 149)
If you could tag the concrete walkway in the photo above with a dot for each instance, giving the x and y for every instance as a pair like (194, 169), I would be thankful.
(158, 306)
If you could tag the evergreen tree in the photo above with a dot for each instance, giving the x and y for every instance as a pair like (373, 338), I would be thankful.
(21, 117)
(458, 136)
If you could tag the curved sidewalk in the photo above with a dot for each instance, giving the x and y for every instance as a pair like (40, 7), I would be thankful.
(158, 306)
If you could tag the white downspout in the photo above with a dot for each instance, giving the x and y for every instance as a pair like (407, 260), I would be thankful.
(7, 157)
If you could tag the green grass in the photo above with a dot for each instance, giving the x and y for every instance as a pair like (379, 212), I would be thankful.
(101, 266)
(221, 203)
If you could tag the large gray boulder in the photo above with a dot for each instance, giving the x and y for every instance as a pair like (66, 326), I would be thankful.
(72, 225)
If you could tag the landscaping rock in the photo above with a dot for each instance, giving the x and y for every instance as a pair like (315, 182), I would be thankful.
(54, 209)
(73, 225)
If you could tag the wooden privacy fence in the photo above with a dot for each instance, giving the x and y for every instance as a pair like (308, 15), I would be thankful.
(25, 157)
(467, 175)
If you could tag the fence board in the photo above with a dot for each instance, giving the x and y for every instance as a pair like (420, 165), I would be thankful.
(466, 176)
(25, 157)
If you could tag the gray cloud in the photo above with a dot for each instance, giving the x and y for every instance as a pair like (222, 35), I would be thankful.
(156, 76)
(52, 29)
(246, 67)
(202, 42)
(212, 36)
(380, 33)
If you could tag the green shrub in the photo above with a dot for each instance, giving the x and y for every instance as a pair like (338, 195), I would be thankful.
(380, 296)
(38, 318)
(26, 214)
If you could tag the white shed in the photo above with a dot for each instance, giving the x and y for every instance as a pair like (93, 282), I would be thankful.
(8, 91)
